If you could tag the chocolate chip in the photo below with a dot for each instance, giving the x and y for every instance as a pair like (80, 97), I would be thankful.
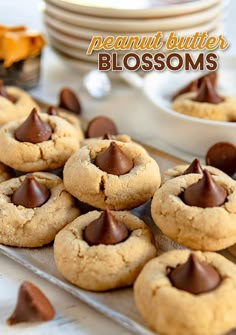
(114, 161)
(207, 93)
(194, 167)
(195, 276)
(212, 76)
(32, 306)
(52, 110)
(222, 155)
(5, 94)
(191, 87)
(30, 193)
(33, 129)
(205, 193)
(105, 230)
(194, 85)
(68, 100)
(99, 126)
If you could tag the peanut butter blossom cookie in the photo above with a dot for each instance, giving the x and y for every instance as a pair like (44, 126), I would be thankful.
(40, 142)
(33, 208)
(206, 103)
(187, 293)
(14, 103)
(112, 174)
(197, 211)
(103, 251)
(194, 167)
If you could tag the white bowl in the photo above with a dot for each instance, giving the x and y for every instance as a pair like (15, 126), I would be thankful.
(188, 134)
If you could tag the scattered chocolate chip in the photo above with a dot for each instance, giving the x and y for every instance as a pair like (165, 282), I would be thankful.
(32, 306)
(3, 93)
(207, 93)
(194, 167)
(191, 87)
(68, 100)
(212, 76)
(205, 193)
(52, 110)
(222, 155)
(105, 230)
(30, 193)
(194, 85)
(195, 276)
(114, 161)
(33, 129)
(99, 126)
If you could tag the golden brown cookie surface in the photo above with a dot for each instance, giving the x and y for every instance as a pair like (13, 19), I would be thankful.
(103, 267)
(212, 228)
(50, 154)
(100, 189)
(34, 227)
(169, 310)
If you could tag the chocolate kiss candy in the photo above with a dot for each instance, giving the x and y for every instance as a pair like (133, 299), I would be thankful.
(105, 230)
(114, 161)
(194, 167)
(3, 93)
(99, 126)
(222, 155)
(52, 110)
(33, 129)
(192, 87)
(205, 193)
(69, 101)
(32, 305)
(207, 93)
(212, 76)
(194, 276)
(30, 193)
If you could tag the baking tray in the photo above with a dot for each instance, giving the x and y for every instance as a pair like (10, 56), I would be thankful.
(117, 304)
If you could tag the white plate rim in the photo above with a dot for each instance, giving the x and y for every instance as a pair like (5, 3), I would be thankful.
(72, 19)
(87, 33)
(80, 6)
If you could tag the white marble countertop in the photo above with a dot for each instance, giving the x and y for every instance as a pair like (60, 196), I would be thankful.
(73, 317)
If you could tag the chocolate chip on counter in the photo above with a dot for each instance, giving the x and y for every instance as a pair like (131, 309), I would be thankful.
(222, 155)
(32, 306)
(99, 126)
(69, 100)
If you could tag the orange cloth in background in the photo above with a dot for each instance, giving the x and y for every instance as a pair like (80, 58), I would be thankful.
(16, 43)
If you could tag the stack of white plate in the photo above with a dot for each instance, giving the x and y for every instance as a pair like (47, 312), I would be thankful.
(71, 24)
